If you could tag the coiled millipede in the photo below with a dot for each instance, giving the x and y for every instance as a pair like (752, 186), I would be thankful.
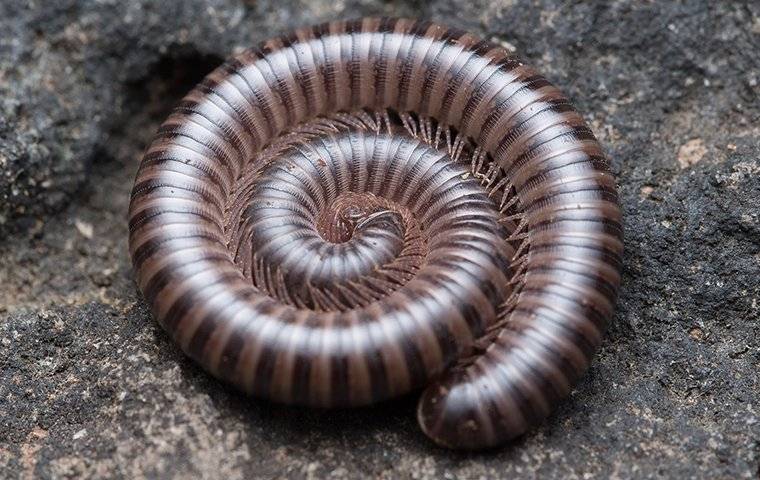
(362, 208)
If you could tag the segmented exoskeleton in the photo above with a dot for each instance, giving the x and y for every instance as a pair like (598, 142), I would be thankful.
(366, 207)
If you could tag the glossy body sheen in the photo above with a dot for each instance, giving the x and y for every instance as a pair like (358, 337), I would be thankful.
(364, 208)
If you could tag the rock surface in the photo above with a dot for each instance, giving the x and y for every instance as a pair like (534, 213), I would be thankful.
(91, 387)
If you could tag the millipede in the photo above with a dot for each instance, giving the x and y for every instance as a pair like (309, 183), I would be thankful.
(366, 208)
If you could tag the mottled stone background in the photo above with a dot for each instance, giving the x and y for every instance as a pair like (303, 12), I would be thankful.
(90, 386)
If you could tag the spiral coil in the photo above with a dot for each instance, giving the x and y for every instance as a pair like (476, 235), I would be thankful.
(363, 208)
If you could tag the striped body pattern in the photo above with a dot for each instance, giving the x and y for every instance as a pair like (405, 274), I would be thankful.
(364, 208)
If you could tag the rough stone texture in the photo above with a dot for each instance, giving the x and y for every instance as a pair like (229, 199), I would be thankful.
(90, 386)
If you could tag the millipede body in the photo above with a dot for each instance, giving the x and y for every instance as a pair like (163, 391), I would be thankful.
(364, 208)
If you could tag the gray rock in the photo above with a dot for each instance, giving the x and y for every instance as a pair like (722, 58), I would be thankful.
(90, 386)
